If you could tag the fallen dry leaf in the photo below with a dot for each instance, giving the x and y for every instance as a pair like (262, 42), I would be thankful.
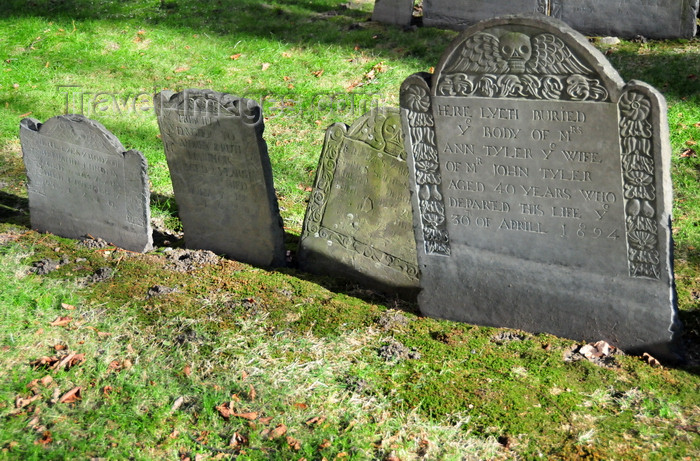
(71, 396)
(325, 444)
(61, 321)
(21, 402)
(224, 410)
(293, 443)
(45, 381)
(265, 66)
(69, 361)
(301, 406)
(44, 362)
(106, 391)
(277, 432)
(237, 440)
(650, 360)
(177, 403)
(28, 113)
(265, 420)
(316, 420)
(187, 370)
(181, 69)
(236, 56)
(317, 73)
(67, 307)
(250, 415)
(45, 438)
(251, 393)
(688, 153)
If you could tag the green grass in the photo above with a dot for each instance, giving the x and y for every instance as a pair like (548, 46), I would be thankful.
(309, 346)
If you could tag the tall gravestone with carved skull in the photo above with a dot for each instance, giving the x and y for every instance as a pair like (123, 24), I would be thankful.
(541, 188)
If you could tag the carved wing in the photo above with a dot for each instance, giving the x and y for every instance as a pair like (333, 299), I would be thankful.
(478, 53)
(550, 55)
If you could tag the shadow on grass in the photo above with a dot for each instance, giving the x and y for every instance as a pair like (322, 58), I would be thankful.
(673, 74)
(14, 210)
(290, 21)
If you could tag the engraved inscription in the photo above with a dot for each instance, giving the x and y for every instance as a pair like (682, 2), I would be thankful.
(195, 154)
(533, 170)
(83, 173)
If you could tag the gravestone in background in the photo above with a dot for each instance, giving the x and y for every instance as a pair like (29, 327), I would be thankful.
(399, 12)
(81, 181)
(541, 188)
(358, 223)
(650, 18)
(221, 175)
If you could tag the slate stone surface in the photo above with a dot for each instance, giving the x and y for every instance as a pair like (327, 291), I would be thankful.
(81, 180)
(221, 175)
(650, 18)
(541, 188)
(399, 12)
(358, 223)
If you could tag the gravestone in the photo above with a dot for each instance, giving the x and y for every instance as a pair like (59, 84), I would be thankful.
(221, 175)
(358, 223)
(81, 181)
(623, 18)
(399, 12)
(541, 188)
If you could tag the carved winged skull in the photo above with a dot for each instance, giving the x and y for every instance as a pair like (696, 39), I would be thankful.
(515, 53)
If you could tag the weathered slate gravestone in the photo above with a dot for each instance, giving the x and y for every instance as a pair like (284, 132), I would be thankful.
(81, 181)
(623, 18)
(399, 12)
(358, 223)
(541, 188)
(221, 175)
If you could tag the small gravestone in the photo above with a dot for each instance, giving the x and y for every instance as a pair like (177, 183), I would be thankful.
(221, 175)
(541, 188)
(358, 222)
(81, 181)
(399, 12)
(650, 18)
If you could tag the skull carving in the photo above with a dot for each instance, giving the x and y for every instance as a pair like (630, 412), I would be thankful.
(516, 49)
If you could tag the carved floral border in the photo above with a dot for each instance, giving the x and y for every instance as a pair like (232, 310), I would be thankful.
(416, 102)
(639, 185)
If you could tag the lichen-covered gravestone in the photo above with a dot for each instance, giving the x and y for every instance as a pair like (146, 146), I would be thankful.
(541, 188)
(358, 221)
(81, 181)
(221, 175)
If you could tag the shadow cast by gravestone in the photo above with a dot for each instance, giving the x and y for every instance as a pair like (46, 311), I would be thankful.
(351, 288)
(14, 210)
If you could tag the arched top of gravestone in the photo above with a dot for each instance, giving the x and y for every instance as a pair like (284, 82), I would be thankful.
(210, 103)
(380, 129)
(525, 57)
(78, 130)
